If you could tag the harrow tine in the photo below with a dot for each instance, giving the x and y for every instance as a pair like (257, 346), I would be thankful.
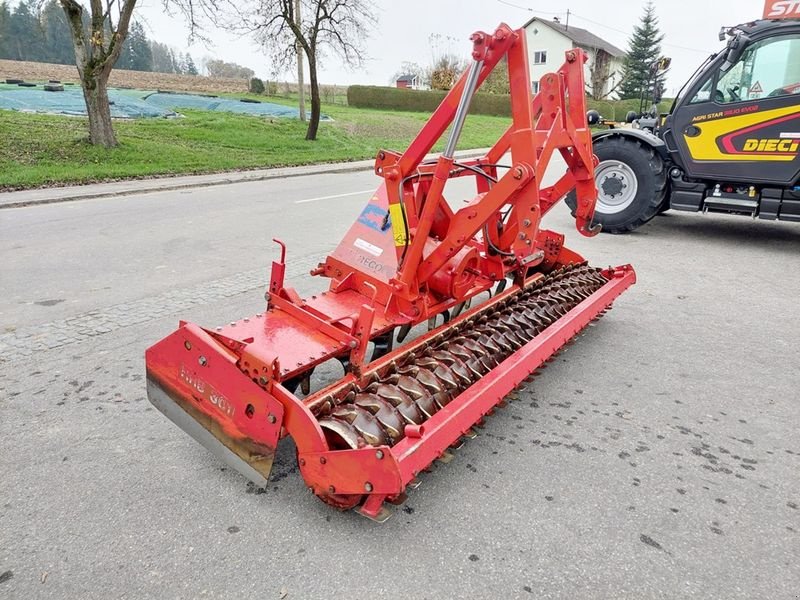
(446, 457)
(305, 383)
(382, 515)
(397, 500)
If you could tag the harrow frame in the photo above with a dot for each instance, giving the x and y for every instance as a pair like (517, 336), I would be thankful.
(409, 258)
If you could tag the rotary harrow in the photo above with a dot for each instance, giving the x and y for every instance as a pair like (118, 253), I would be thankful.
(409, 258)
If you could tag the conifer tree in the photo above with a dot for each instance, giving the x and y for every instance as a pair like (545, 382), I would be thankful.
(191, 68)
(644, 50)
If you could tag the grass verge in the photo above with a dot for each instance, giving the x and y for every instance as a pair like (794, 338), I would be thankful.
(42, 150)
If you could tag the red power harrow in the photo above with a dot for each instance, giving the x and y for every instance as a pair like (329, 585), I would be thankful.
(408, 258)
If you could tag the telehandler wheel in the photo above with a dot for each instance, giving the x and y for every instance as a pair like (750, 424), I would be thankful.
(631, 184)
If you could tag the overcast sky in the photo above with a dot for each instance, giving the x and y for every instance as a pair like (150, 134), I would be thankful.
(404, 28)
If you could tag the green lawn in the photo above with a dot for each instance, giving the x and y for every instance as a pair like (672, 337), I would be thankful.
(38, 150)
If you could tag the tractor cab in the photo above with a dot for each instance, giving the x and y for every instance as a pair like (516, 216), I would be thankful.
(741, 108)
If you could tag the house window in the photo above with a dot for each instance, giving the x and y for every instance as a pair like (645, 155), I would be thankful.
(540, 57)
(535, 87)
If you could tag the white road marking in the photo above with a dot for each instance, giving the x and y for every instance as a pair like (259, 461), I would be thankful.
(334, 196)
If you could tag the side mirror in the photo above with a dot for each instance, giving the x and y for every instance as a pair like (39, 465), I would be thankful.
(593, 117)
(736, 48)
(630, 117)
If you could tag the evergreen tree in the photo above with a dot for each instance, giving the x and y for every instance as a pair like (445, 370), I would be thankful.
(644, 50)
(136, 53)
(25, 36)
(191, 68)
(182, 62)
(177, 64)
(162, 58)
(5, 24)
(58, 42)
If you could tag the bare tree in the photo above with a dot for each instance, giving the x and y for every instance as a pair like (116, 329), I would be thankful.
(446, 65)
(599, 76)
(97, 48)
(445, 71)
(339, 26)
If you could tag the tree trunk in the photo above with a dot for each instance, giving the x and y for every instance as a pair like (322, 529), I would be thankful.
(95, 92)
(316, 106)
(95, 59)
(299, 48)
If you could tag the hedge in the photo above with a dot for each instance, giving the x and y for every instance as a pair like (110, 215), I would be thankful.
(389, 98)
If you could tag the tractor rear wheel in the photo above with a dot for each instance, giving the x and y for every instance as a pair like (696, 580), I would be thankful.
(631, 184)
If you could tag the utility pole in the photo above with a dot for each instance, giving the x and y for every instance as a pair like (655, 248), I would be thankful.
(566, 25)
(299, 49)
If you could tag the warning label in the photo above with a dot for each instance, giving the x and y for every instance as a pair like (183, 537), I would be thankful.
(756, 90)
(399, 224)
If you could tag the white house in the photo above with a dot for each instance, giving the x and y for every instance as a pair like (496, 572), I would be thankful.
(549, 40)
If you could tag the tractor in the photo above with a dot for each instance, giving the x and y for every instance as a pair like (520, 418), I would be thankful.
(729, 143)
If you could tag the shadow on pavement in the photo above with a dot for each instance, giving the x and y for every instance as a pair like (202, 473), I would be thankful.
(724, 230)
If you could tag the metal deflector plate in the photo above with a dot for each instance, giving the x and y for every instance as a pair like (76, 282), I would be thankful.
(192, 424)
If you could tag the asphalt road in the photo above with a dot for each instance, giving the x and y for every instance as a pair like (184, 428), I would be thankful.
(659, 457)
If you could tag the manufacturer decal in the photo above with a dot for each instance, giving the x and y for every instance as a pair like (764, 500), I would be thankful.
(765, 138)
(765, 135)
(206, 391)
(771, 145)
(373, 217)
(379, 269)
(367, 247)
(782, 9)
(731, 112)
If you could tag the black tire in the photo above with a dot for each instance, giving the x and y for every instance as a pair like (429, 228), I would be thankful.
(651, 180)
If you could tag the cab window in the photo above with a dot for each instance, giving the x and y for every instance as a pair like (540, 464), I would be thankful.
(704, 93)
(768, 68)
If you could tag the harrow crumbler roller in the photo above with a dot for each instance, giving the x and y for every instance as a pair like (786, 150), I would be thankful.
(409, 258)
(414, 386)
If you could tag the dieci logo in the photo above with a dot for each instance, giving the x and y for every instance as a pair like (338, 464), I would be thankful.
(782, 9)
(771, 145)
